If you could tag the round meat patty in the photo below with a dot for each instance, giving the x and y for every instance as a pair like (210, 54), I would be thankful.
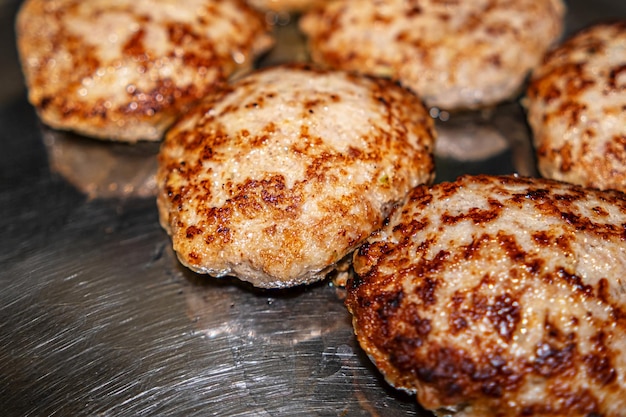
(499, 296)
(124, 70)
(284, 173)
(454, 54)
(577, 109)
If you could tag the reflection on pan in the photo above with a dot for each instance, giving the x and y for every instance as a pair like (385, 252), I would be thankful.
(102, 169)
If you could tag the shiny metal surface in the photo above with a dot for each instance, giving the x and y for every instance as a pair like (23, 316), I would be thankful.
(97, 317)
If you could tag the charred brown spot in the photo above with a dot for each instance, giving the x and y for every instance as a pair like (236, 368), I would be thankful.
(472, 250)
(603, 290)
(551, 360)
(164, 94)
(386, 305)
(598, 363)
(494, 60)
(543, 238)
(537, 194)
(410, 228)
(354, 153)
(613, 80)
(420, 196)
(551, 93)
(567, 402)
(427, 290)
(474, 215)
(403, 351)
(458, 323)
(192, 231)
(535, 265)
(413, 9)
(600, 211)
(380, 18)
(456, 375)
(616, 148)
(134, 47)
(456, 318)
(573, 111)
(600, 368)
(368, 255)
(45, 102)
(224, 233)
(564, 242)
(510, 246)
(505, 314)
(425, 267)
(567, 160)
(576, 282)
(448, 189)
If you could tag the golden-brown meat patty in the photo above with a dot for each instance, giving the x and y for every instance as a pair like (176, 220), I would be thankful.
(499, 296)
(278, 177)
(124, 70)
(454, 54)
(577, 108)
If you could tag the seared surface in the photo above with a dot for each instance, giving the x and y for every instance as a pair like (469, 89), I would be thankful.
(124, 70)
(499, 296)
(285, 5)
(577, 109)
(454, 54)
(285, 172)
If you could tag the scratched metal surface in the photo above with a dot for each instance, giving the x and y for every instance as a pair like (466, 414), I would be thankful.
(98, 318)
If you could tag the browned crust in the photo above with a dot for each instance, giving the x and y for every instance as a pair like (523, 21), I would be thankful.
(460, 344)
(57, 62)
(396, 153)
(454, 54)
(577, 99)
